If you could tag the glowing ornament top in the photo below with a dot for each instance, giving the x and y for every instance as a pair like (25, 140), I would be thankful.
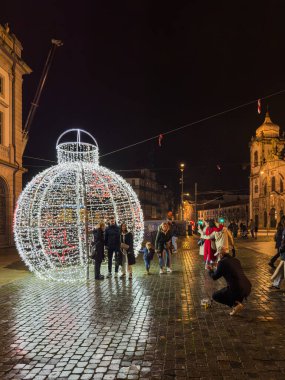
(59, 208)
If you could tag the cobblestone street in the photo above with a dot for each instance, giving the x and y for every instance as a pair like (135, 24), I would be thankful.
(151, 327)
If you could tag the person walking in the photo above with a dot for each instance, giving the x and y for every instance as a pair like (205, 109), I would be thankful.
(112, 242)
(148, 253)
(252, 228)
(278, 240)
(127, 257)
(238, 285)
(174, 237)
(279, 273)
(163, 238)
(98, 249)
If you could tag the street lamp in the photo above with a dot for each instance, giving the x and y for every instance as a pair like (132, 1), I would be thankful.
(182, 166)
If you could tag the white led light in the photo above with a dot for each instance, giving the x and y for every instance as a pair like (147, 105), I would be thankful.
(60, 204)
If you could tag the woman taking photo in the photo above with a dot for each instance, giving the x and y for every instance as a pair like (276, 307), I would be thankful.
(127, 251)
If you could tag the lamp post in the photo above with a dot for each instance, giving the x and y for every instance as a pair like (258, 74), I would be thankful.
(182, 166)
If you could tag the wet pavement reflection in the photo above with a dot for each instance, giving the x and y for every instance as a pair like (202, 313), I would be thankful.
(151, 327)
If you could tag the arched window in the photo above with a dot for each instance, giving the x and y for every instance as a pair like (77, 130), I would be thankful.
(3, 207)
(281, 186)
(265, 219)
(273, 218)
(273, 184)
(265, 188)
(255, 158)
(256, 188)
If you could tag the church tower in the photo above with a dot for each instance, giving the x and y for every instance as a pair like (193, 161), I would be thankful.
(267, 174)
(12, 69)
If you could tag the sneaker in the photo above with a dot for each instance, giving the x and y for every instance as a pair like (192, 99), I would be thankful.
(169, 270)
(237, 309)
(161, 271)
(271, 265)
(101, 277)
(109, 275)
(116, 274)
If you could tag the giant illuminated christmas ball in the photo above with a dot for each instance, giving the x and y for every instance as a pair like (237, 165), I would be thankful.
(59, 208)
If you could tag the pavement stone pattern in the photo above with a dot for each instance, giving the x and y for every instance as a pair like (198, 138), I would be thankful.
(151, 327)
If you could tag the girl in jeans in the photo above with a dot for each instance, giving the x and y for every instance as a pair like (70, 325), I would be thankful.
(163, 238)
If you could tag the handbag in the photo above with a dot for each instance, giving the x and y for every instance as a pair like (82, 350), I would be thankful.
(131, 258)
(125, 246)
(213, 245)
(200, 242)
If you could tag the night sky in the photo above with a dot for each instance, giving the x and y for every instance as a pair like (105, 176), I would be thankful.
(130, 70)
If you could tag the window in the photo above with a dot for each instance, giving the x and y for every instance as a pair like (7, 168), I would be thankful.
(281, 186)
(133, 182)
(1, 85)
(3, 204)
(273, 184)
(1, 127)
(265, 189)
(255, 158)
(256, 188)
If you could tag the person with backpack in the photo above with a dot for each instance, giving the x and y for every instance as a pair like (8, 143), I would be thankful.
(278, 239)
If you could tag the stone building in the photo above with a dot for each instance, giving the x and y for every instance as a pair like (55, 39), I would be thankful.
(12, 143)
(156, 199)
(267, 174)
(229, 207)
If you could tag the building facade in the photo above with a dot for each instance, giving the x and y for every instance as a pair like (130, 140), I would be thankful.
(12, 142)
(156, 200)
(267, 174)
(230, 208)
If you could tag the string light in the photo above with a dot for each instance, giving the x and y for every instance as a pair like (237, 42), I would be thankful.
(59, 208)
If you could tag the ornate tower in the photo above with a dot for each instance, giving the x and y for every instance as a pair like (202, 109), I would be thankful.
(12, 69)
(267, 174)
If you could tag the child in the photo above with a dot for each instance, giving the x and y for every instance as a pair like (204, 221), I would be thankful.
(148, 253)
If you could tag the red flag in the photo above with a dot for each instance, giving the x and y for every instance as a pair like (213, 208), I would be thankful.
(259, 106)
(160, 137)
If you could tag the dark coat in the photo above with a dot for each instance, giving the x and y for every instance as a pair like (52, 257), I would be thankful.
(128, 241)
(278, 237)
(161, 240)
(98, 244)
(230, 268)
(112, 238)
(130, 251)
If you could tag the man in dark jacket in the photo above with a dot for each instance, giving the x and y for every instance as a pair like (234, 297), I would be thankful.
(238, 285)
(112, 242)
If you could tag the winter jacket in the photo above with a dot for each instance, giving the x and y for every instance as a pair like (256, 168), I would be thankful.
(98, 244)
(161, 239)
(128, 239)
(112, 237)
(148, 253)
(278, 237)
(230, 268)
